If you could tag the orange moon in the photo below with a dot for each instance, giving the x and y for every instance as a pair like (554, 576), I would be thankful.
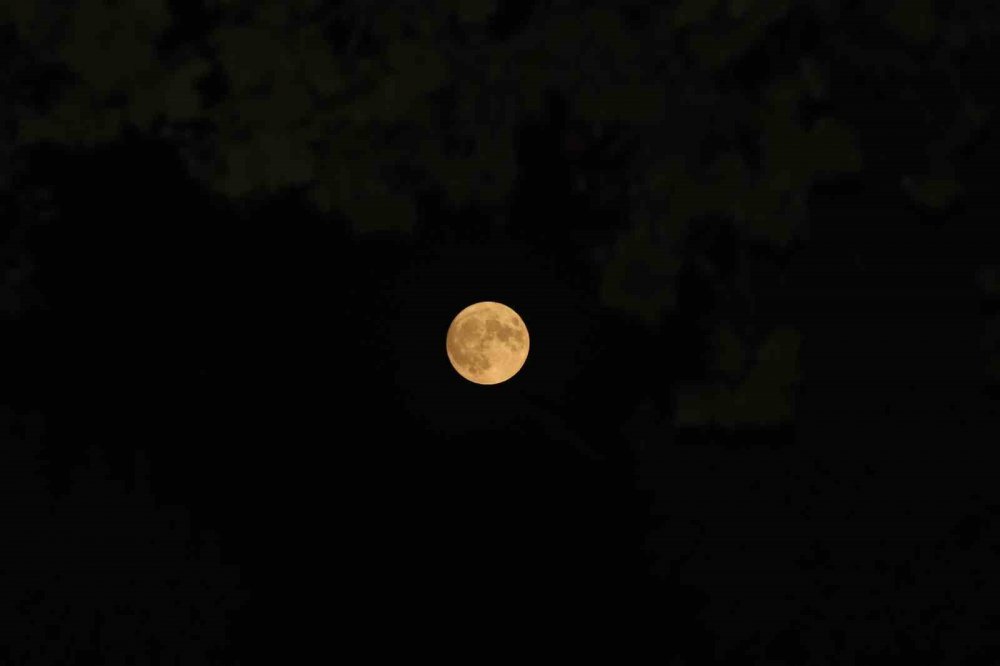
(487, 343)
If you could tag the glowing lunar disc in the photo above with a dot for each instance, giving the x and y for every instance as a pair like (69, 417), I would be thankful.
(487, 343)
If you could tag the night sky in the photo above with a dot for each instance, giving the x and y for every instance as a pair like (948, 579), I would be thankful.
(755, 243)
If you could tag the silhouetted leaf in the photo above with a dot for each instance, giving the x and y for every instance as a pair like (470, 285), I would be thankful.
(915, 19)
(729, 351)
(833, 147)
(715, 46)
(689, 12)
(174, 97)
(989, 280)
(110, 46)
(930, 191)
(475, 11)
(639, 277)
(761, 213)
(640, 104)
(763, 397)
(386, 212)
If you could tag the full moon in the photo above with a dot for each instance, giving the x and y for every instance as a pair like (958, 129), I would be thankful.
(487, 343)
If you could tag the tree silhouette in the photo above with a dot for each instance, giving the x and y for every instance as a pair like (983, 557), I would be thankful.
(100, 572)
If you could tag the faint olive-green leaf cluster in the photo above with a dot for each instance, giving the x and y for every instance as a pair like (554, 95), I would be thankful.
(351, 121)
(359, 121)
(639, 276)
(914, 19)
(718, 42)
(360, 129)
(930, 191)
(767, 201)
(755, 384)
(109, 48)
(16, 268)
(988, 278)
(395, 103)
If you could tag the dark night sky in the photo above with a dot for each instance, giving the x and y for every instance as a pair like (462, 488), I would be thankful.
(755, 244)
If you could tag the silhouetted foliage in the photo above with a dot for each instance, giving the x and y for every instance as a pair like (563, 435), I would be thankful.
(100, 572)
